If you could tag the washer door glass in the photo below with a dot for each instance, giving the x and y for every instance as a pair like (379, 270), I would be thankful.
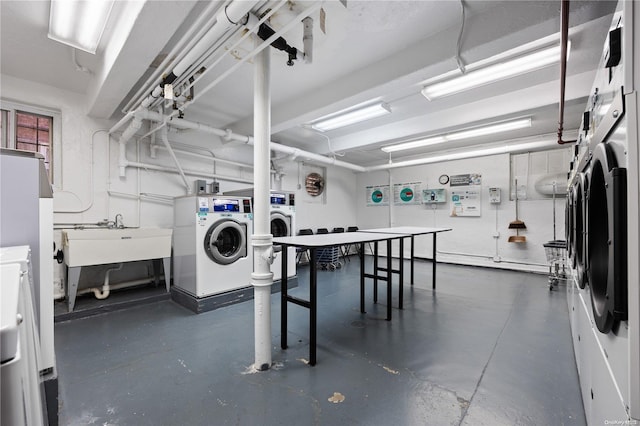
(226, 241)
(280, 225)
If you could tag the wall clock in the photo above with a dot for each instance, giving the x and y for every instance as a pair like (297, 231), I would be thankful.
(443, 179)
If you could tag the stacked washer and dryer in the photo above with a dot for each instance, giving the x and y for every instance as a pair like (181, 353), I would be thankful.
(211, 250)
(602, 235)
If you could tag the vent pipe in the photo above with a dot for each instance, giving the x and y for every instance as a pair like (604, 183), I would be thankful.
(564, 32)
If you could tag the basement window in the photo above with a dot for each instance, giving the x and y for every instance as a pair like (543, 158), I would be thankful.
(33, 133)
(31, 129)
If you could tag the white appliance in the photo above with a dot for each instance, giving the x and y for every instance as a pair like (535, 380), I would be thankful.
(19, 342)
(282, 215)
(602, 224)
(211, 244)
(283, 224)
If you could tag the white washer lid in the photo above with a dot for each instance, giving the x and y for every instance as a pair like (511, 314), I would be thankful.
(9, 295)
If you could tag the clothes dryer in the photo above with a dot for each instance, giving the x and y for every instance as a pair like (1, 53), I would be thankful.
(211, 247)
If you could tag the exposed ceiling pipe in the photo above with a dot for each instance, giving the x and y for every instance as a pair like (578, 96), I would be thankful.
(165, 139)
(265, 32)
(188, 39)
(225, 19)
(197, 173)
(564, 34)
(230, 136)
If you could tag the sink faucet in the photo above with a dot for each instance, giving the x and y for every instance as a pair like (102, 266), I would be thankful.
(119, 221)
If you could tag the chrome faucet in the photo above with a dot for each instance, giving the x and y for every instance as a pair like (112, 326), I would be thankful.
(119, 221)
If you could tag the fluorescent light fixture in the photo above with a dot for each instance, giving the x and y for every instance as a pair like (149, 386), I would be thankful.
(510, 68)
(475, 132)
(349, 117)
(79, 23)
(460, 155)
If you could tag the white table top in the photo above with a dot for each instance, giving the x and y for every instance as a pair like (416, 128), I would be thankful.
(335, 239)
(407, 230)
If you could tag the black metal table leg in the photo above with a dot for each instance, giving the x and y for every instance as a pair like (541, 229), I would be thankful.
(361, 255)
(401, 273)
(283, 301)
(313, 314)
(412, 256)
(389, 273)
(375, 272)
(434, 260)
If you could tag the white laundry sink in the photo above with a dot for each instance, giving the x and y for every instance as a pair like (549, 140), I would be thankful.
(84, 247)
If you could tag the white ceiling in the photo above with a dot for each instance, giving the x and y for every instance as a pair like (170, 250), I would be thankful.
(372, 50)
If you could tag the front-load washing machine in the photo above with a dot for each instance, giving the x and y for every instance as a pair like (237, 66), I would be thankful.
(283, 221)
(211, 247)
(282, 215)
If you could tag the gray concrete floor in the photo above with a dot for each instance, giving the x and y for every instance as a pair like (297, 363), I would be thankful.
(486, 348)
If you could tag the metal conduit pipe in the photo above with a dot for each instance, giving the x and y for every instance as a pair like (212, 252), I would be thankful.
(186, 172)
(564, 34)
(295, 21)
(226, 18)
(165, 140)
(207, 157)
(251, 29)
(230, 136)
(183, 45)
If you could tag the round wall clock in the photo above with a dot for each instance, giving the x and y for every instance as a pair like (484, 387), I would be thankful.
(443, 179)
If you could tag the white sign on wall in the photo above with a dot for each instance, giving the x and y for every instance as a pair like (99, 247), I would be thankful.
(466, 195)
(466, 201)
(406, 193)
(377, 195)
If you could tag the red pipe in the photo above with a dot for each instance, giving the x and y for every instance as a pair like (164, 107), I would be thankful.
(564, 33)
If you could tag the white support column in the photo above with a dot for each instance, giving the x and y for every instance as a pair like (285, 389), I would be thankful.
(262, 277)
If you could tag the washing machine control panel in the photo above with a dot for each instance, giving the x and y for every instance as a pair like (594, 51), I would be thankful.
(224, 205)
(283, 199)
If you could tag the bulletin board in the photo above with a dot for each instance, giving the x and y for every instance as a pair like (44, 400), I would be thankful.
(377, 195)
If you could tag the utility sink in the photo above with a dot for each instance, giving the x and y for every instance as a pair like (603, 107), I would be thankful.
(84, 247)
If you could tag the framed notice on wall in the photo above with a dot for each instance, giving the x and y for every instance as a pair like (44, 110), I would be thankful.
(406, 193)
(466, 201)
(466, 195)
(377, 195)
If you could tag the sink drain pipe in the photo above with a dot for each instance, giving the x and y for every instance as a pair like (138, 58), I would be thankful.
(106, 289)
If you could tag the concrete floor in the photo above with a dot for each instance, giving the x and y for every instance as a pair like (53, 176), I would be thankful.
(487, 348)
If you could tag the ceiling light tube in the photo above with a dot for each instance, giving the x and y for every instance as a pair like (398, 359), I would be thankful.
(460, 155)
(349, 117)
(79, 24)
(492, 73)
(475, 132)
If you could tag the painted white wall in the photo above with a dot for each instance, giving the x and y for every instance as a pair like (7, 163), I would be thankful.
(90, 172)
(92, 190)
(338, 206)
(472, 240)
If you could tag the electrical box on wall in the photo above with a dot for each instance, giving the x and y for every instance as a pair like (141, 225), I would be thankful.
(494, 195)
(434, 196)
